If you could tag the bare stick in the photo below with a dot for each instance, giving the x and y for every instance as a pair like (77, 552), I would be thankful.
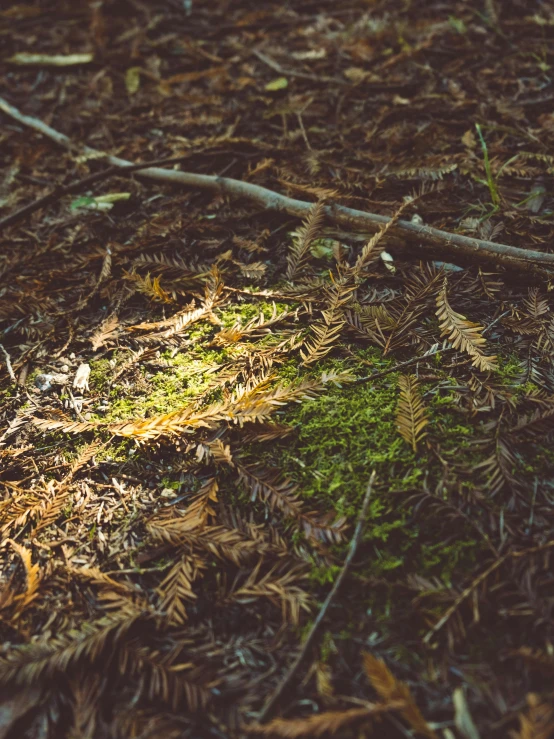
(271, 703)
(510, 256)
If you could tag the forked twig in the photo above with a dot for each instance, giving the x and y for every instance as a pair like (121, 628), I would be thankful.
(510, 256)
(291, 673)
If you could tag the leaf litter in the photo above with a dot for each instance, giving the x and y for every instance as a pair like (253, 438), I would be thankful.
(194, 389)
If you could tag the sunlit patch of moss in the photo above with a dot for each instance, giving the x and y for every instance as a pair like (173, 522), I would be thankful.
(345, 433)
(242, 313)
(100, 373)
(185, 377)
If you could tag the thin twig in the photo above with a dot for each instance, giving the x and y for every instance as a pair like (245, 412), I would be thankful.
(9, 367)
(291, 673)
(510, 256)
(400, 366)
(477, 581)
(422, 358)
(60, 190)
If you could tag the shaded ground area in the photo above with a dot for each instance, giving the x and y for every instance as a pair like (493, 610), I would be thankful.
(194, 391)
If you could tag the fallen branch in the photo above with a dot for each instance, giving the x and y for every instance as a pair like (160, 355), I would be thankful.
(510, 256)
(291, 673)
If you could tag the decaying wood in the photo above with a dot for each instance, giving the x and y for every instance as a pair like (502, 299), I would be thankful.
(451, 244)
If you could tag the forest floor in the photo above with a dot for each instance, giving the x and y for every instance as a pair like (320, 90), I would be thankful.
(196, 387)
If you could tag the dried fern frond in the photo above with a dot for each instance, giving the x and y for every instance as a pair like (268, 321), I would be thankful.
(86, 694)
(536, 425)
(24, 665)
(68, 427)
(391, 689)
(537, 722)
(326, 331)
(303, 238)
(219, 541)
(324, 724)
(269, 486)
(176, 588)
(280, 493)
(161, 676)
(253, 271)
(463, 334)
(370, 321)
(200, 508)
(499, 467)
(254, 329)
(421, 285)
(279, 587)
(83, 458)
(411, 417)
(370, 252)
(150, 286)
(190, 272)
(536, 305)
(32, 574)
(106, 332)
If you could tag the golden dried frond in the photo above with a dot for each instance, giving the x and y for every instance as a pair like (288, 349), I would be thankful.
(411, 418)
(200, 508)
(463, 334)
(326, 331)
(281, 494)
(254, 329)
(324, 724)
(537, 722)
(390, 689)
(95, 576)
(83, 458)
(106, 332)
(106, 265)
(370, 321)
(300, 249)
(280, 588)
(190, 272)
(29, 663)
(370, 252)
(113, 595)
(215, 451)
(150, 286)
(176, 588)
(68, 427)
(219, 541)
(178, 324)
(32, 574)
(56, 500)
(20, 508)
(252, 403)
